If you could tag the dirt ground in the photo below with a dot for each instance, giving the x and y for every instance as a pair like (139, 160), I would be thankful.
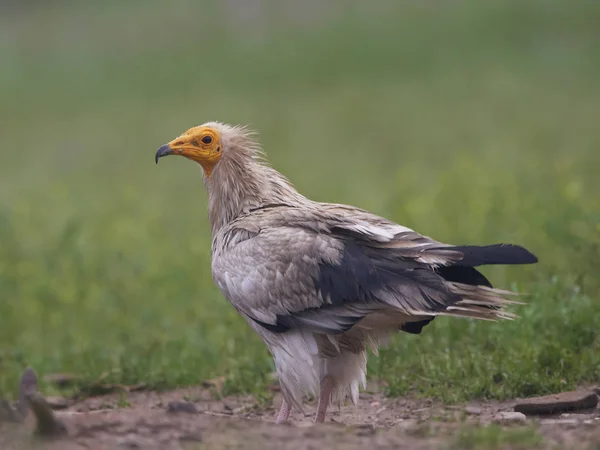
(146, 420)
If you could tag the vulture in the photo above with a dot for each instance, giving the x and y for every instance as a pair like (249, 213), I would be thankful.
(322, 283)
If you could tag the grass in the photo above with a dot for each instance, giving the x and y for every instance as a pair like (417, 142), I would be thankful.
(496, 437)
(472, 122)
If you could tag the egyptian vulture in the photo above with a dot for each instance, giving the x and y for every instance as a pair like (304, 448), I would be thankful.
(321, 283)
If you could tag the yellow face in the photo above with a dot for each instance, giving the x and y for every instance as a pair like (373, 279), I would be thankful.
(201, 144)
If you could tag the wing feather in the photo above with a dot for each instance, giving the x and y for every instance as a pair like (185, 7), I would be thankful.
(325, 267)
(321, 271)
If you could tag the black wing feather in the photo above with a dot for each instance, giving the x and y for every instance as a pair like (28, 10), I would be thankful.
(494, 254)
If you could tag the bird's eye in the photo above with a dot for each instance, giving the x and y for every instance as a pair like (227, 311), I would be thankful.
(207, 139)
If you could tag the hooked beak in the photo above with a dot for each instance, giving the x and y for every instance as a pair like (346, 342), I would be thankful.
(164, 150)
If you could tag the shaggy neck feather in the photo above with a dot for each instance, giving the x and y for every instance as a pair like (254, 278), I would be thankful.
(240, 183)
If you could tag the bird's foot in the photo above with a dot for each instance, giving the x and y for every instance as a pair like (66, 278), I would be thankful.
(324, 398)
(284, 412)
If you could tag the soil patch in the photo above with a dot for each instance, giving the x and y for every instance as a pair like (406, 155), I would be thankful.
(193, 418)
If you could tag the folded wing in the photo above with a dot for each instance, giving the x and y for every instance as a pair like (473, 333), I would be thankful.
(328, 268)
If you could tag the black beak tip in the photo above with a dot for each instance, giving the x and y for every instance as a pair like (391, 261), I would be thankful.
(164, 150)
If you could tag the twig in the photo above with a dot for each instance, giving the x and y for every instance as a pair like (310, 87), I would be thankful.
(29, 397)
(47, 423)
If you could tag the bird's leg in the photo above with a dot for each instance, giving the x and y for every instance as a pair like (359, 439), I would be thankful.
(284, 412)
(324, 398)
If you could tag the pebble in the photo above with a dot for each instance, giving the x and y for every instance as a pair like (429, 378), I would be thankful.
(510, 417)
(473, 410)
(182, 407)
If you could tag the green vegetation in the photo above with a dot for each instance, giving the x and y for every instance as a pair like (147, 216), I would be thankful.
(496, 437)
(472, 122)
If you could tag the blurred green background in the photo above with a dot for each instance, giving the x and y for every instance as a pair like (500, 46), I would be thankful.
(470, 121)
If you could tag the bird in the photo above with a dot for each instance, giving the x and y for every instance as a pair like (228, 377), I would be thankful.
(324, 283)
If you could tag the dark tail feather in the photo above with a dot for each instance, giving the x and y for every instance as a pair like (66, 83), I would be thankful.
(494, 254)
(415, 327)
(463, 274)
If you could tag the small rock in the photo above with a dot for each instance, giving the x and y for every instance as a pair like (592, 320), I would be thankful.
(183, 407)
(557, 403)
(510, 417)
(473, 410)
